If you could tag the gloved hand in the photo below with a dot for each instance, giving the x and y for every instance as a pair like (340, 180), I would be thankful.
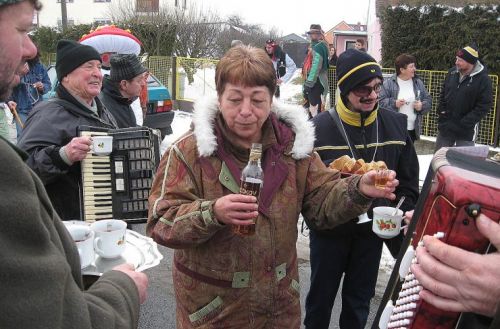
(306, 90)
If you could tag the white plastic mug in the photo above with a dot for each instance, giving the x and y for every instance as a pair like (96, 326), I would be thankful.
(102, 145)
(385, 224)
(109, 239)
(84, 240)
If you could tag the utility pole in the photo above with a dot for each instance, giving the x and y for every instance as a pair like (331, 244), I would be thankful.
(64, 15)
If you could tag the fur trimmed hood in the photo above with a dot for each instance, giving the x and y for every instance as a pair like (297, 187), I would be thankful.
(206, 109)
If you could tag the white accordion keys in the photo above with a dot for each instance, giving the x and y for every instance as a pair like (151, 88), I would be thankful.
(406, 262)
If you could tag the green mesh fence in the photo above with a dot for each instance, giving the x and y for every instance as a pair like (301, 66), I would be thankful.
(195, 77)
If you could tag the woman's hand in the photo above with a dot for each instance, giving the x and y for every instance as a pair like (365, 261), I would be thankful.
(367, 186)
(236, 209)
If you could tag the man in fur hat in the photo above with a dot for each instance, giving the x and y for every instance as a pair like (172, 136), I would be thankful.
(316, 72)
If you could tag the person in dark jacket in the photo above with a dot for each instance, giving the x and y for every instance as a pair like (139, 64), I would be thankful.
(404, 92)
(41, 280)
(50, 135)
(466, 97)
(357, 127)
(122, 87)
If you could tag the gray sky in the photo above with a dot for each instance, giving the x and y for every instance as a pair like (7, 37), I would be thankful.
(291, 16)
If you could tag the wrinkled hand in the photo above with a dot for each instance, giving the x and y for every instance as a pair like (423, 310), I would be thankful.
(367, 186)
(12, 105)
(77, 148)
(236, 209)
(457, 280)
(417, 105)
(38, 85)
(140, 279)
(400, 102)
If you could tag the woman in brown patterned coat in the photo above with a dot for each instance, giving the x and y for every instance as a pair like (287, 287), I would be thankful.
(224, 280)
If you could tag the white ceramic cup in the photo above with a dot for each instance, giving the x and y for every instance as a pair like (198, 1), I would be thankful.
(385, 225)
(109, 239)
(102, 145)
(84, 240)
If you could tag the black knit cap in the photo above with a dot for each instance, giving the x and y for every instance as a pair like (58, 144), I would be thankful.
(355, 67)
(468, 54)
(70, 55)
(125, 67)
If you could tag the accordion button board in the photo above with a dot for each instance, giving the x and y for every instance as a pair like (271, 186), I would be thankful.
(116, 186)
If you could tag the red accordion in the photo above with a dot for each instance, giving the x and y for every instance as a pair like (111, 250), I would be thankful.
(456, 189)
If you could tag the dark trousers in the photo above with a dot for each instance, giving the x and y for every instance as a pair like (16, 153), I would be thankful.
(357, 254)
(413, 135)
(445, 141)
(314, 96)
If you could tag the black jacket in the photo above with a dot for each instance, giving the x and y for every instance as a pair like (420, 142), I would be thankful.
(51, 125)
(463, 104)
(118, 105)
(394, 147)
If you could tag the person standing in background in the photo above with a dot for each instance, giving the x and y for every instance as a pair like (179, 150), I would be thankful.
(122, 87)
(466, 97)
(404, 92)
(356, 127)
(316, 80)
(34, 84)
(360, 45)
(283, 64)
(333, 56)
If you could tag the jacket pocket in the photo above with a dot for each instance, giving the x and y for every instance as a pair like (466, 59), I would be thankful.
(207, 312)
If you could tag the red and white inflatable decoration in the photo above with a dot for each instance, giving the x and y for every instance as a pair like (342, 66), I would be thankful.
(111, 39)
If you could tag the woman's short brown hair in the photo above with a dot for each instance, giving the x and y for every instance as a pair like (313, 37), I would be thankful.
(402, 62)
(247, 66)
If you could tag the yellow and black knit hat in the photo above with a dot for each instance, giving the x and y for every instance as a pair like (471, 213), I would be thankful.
(355, 67)
(468, 54)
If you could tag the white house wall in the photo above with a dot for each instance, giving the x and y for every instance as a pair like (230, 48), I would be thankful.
(82, 11)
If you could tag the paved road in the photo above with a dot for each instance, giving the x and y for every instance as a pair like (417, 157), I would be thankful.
(158, 312)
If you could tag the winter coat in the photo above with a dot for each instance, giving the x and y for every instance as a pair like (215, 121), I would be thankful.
(117, 105)
(283, 64)
(319, 65)
(223, 280)
(389, 95)
(41, 281)
(393, 146)
(462, 104)
(51, 125)
(24, 94)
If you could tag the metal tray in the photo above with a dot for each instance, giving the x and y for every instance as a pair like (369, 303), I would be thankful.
(140, 251)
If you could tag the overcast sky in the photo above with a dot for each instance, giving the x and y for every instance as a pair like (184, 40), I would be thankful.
(291, 16)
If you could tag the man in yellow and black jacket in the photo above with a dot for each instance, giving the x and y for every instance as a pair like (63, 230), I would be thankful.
(359, 129)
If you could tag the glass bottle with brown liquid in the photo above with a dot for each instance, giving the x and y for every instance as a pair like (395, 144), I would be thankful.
(252, 178)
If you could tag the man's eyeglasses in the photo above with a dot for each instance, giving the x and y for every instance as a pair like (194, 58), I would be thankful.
(365, 91)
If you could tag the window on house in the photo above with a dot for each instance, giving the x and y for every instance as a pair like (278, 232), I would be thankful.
(147, 6)
(101, 21)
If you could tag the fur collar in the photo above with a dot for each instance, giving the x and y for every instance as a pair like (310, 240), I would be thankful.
(206, 109)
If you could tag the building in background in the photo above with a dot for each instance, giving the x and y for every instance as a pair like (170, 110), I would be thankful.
(98, 12)
(343, 36)
(295, 46)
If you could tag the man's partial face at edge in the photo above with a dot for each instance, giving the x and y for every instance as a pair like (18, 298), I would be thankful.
(15, 45)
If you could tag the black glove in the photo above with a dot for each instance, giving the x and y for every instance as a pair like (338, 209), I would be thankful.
(306, 90)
